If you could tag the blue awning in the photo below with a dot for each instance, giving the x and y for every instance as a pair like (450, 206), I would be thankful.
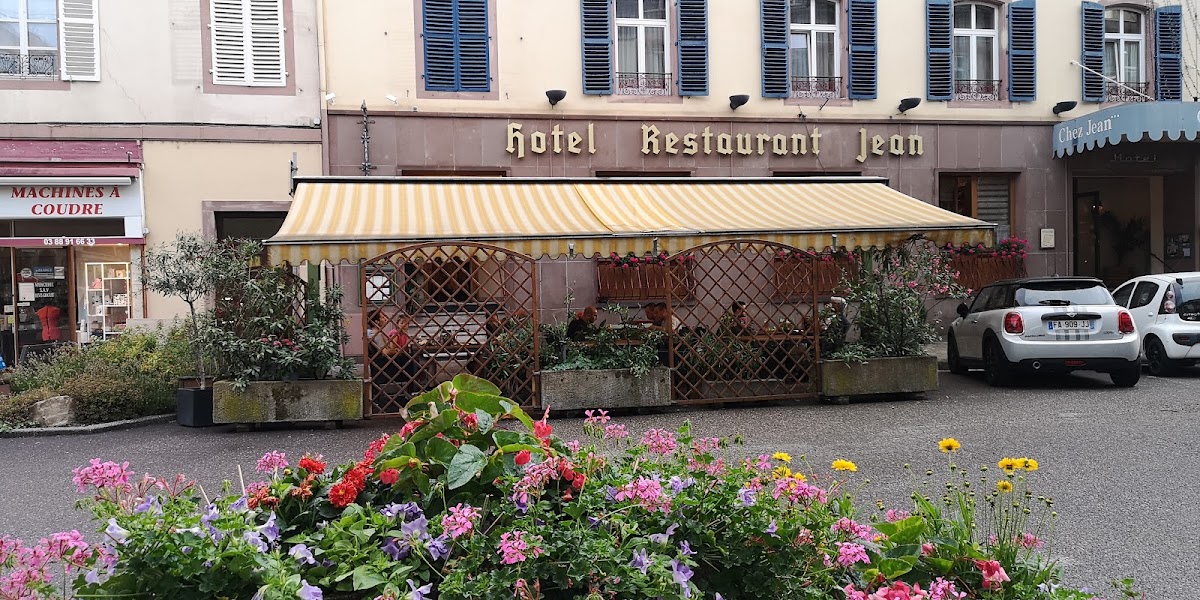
(1156, 121)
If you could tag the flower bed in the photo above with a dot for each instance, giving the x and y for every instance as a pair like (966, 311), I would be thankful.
(454, 507)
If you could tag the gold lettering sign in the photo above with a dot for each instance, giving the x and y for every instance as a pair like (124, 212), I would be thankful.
(656, 141)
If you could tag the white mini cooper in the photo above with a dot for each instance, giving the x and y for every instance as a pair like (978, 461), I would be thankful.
(1044, 325)
(1166, 309)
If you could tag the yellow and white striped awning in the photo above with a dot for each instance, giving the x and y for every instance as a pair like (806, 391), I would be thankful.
(353, 219)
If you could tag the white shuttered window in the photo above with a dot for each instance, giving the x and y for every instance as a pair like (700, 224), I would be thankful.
(247, 43)
(79, 30)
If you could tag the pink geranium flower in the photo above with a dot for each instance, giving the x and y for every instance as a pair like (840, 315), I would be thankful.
(993, 574)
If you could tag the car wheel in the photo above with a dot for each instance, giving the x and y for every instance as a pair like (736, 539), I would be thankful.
(1126, 377)
(995, 364)
(1156, 355)
(953, 360)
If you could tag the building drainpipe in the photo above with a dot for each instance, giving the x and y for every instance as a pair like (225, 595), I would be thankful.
(323, 71)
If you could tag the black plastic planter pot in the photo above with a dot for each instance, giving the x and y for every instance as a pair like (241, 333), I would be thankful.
(194, 407)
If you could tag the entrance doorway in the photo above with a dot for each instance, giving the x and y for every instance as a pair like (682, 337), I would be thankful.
(1113, 224)
(35, 293)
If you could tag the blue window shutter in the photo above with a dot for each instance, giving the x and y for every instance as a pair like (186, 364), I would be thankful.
(1022, 51)
(437, 27)
(1168, 52)
(939, 44)
(774, 18)
(597, 46)
(692, 19)
(1093, 51)
(474, 68)
(864, 50)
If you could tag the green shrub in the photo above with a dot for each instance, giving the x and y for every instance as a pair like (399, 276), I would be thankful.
(17, 410)
(106, 395)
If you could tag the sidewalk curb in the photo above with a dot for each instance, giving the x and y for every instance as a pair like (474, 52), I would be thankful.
(87, 429)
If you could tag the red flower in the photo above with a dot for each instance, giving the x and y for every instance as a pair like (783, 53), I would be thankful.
(470, 421)
(342, 495)
(542, 429)
(376, 447)
(410, 427)
(579, 479)
(390, 476)
(522, 458)
(312, 465)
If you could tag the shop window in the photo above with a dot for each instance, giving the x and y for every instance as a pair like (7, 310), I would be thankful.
(248, 43)
(30, 47)
(813, 49)
(976, 54)
(457, 45)
(1125, 55)
(984, 197)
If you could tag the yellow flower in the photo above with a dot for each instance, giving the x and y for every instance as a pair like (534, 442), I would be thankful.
(1004, 485)
(1008, 465)
(782, 472)
(948, 445)
(1028, 464)
(798, 476)
(844, 465)
(782, 457)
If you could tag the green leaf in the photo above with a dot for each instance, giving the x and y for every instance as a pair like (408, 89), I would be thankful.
(471, 383)
(469, 461)
(908, 531)
(474, 402)
(422, 481)
(505, 438)
(485, 420)
(393, 442)
(440, 451)
(517, 413)
(892, 568)
(941, 565)
(400, 462)
(365, 578)
(515, 448)
(435, 426)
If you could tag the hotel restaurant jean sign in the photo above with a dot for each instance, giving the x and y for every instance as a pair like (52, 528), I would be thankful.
(656, 140)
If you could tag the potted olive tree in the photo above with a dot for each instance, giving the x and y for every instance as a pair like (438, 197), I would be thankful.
(891, 290)
(187, 268)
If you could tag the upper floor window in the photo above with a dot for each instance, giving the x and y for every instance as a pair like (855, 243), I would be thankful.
(29, 38)
(457, 45)
(976, 56)
(642, 55)
(813, 48)
(248, 44)
(1124, 55)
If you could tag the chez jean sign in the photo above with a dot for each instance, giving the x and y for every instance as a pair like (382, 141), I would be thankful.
(69, 201)
(657, 141)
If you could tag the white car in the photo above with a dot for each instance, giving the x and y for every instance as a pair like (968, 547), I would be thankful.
(1166, 309)
(1044, 325)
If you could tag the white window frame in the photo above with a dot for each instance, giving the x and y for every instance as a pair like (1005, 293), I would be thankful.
(23, 48)
(248, 31)
(973, 33)
(641, 24)
(1122, 39)
(811, 29)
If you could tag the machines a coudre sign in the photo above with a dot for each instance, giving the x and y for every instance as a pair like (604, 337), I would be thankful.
(70, 201)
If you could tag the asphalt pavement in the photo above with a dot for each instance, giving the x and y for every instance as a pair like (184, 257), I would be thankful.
(1121, 464)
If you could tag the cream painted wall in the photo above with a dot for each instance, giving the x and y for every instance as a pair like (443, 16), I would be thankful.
(181, 176)
(538, 47)
(152, 68)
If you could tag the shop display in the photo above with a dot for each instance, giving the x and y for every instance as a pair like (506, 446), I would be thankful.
(108, 300)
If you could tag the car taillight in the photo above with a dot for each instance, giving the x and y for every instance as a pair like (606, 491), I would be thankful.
(1125, 322)
(1013, 323)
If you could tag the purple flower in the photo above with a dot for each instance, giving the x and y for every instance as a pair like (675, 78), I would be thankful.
(772, 527)
(409, 510)
(116, 532)
(270, 530)
(210, 515)
(681, 573)
(309, 592)
(255, 540)
(416, 530)
(418, 593)
(92, 577)
(661, 538)
(439, 549)
(593, 522)
(301, 553)
(145, 505)
(640, 561)
(610, 493)
(239, 505)
(393, 549)
(678, 485)
(685, 548)
(747, 496)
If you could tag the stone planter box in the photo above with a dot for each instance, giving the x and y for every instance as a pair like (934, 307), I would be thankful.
(612, 388)
(329, 400)
(840, 380)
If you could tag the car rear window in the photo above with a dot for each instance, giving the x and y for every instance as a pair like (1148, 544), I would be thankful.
(1062, 293)
(1187, 296)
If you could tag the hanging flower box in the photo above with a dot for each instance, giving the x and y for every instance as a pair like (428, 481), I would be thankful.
(979, 266)
(798, 273)
(635, 278)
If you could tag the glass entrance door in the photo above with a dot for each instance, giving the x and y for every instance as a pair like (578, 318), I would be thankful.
(8, 302)
(44, 315)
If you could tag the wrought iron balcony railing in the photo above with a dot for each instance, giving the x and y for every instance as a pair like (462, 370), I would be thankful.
(1128, 91)
(816, 87)
(15, 64)
(977, 90)
(644, 84)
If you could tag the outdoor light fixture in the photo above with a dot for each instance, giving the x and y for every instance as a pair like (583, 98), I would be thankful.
(908, 104)
(330, 96)
(738, 100)
(392, 99)
(1063, 107)
(555, 96)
